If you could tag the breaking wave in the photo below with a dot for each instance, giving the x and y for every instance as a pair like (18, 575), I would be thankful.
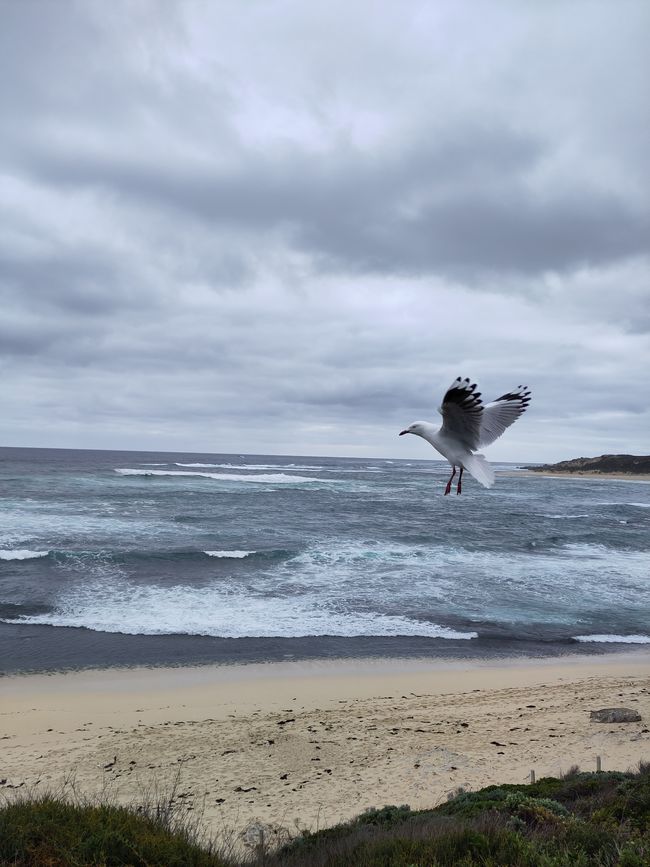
(260, 478)
(21, 554)
(254, 466)
(237, 555)
(613, 639)
(215, 611)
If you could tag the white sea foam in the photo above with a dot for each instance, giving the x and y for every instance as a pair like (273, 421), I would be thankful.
(588, 549)
(215, 611)
(506, 586)
(637, 505)
(370, 588)
(308, 467)
(237, 555)
(567, 516)
(260, 478)
(252, 466)
(614, 639)
(21, 554)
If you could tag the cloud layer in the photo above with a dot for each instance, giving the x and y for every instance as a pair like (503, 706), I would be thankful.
(286, 227)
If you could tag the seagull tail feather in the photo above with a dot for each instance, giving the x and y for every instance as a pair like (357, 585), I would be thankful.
(480, 469)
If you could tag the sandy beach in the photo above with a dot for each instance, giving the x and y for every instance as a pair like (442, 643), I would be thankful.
(311, 744)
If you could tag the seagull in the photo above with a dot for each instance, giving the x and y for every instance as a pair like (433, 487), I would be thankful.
(468, 425)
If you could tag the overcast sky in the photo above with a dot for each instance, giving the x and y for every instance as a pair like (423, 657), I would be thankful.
(285, 227)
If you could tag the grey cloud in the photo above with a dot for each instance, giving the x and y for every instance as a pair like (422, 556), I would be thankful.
(100, 111)
(77, 281)
(216, 238)
(460, 207)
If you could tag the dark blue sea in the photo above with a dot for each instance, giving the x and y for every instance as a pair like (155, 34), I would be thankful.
(140, 558)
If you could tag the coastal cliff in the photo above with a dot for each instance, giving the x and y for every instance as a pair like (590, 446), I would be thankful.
(630, 464)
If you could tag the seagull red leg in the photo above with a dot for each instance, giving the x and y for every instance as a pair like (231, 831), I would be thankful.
(459, 487)
(448, 488)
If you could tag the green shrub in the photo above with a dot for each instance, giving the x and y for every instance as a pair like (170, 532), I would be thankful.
(591, 820)
(48, 831)
(517, 802)
(630, 803)
(386, 816)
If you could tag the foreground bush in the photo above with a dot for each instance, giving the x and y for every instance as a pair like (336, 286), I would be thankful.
(583, 820)
(48, 831)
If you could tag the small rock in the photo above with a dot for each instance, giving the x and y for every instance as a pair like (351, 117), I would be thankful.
(614, 715)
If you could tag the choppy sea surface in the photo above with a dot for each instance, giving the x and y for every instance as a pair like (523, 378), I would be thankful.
(122, 558)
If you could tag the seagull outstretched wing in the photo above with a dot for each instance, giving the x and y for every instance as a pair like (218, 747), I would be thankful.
(462, 412)
(501, 413)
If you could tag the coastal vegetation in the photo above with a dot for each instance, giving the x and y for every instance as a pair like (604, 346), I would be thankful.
(581, 819)
(628, 464)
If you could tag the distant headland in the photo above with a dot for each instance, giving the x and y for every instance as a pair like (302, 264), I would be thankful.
(633, 465)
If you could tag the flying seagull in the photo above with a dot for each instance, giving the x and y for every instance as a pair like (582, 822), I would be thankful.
(468, 425)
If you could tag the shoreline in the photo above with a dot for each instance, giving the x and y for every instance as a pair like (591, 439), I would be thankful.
(323, 667)
(314, 743)
(33, 649)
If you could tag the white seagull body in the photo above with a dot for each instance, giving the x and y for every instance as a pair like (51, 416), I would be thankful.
(467, 425)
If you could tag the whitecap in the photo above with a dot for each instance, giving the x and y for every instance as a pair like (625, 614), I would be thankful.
(120, 606)
(21, 554)
(568, 516)
(260, 478)
(306, 466)
(237, 555)
(216, 466)
(636, 505)
(250, 466)
(614, 639)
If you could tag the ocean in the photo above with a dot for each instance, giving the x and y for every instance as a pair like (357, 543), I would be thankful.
(140, 558)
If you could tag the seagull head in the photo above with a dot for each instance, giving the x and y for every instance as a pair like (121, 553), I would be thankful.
(416, 428)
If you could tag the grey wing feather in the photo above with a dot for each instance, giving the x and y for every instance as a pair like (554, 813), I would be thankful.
(501, 413)
(462, 410)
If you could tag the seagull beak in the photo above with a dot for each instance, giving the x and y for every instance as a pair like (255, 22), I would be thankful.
(402, 432)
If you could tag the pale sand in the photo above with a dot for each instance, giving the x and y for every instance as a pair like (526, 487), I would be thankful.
(317, 743)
